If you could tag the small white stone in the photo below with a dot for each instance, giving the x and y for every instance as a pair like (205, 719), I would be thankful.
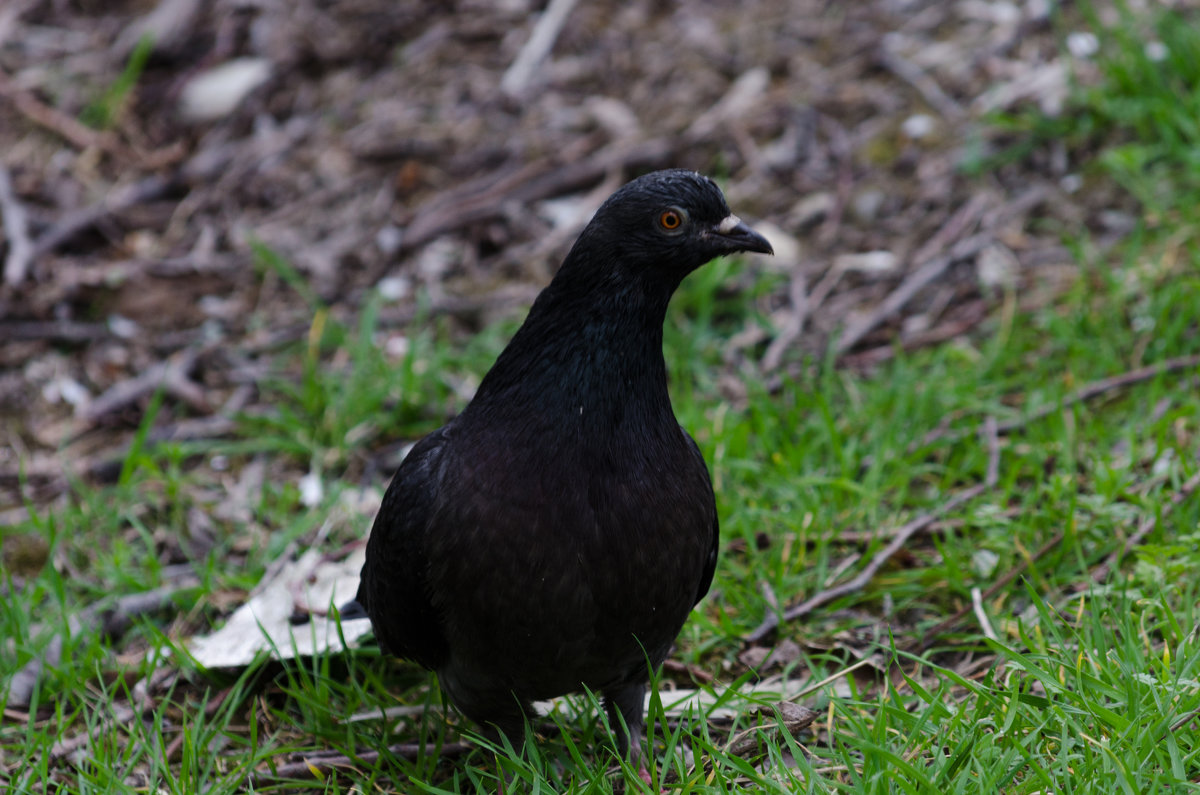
(1083, 44)
(787, 248)
(397, 347)
(1037, 10)
(867, 262)
(983, 562)
(997, 266)
(389, 238)
(919, 125)
(867, 203)
(1006, 13)
(393, 288)
(217, 92)
(123, 327)
(67, 390)
(312, 490)
(1071, 183)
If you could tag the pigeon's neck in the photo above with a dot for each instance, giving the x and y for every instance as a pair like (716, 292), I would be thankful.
(588, 353)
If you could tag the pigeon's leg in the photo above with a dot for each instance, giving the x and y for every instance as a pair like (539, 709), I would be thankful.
(506, 726)
(626, 705)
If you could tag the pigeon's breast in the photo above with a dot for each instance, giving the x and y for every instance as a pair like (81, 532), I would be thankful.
(572, 565)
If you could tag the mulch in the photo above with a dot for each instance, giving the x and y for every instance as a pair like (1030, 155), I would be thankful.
(448, 153)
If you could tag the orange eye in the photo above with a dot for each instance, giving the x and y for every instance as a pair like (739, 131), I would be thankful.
(669, 220)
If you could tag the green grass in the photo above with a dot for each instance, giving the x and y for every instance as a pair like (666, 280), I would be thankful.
(106, 110)
(1134, 112)
(1080, 685)
(1085, 687)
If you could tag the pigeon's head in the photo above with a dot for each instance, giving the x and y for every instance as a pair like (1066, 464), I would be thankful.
(669, 222)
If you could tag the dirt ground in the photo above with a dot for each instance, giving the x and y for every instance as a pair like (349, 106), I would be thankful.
(424, 148)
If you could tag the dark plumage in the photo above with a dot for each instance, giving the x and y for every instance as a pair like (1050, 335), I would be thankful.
(557, 533)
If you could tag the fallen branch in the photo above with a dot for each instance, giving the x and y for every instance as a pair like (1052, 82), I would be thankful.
(967, 317)
(792, 327)
(773, 619)
(1081, 395)
(79, 134)
(1104, 385)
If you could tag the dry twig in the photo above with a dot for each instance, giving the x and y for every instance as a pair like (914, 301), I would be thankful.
(915, 281)
(545, 32)
(985, 624)
(934, 264)
(55, 120)
(696, 673)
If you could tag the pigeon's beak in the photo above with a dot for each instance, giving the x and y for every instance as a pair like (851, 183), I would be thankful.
(734, 235)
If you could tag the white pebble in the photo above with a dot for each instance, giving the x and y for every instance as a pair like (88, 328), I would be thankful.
(393, 288)
(123, 327)
(218, 91)
(389, 238)
(1071, 183)
(867, 262)
(919, 125)
(1082, 44)
(397, 347)
(312, 490)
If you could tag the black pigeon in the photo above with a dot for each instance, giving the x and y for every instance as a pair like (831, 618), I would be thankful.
(556, 534)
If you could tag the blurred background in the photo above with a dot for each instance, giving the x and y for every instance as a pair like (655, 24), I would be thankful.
(195, 177)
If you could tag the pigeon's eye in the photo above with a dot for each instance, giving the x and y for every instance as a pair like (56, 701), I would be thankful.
(671, 220)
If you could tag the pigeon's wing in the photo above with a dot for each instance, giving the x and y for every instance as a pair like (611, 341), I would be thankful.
(394, 583)
(710, 562)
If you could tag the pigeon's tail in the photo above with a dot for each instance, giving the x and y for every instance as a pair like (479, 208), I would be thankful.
(352, 610)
